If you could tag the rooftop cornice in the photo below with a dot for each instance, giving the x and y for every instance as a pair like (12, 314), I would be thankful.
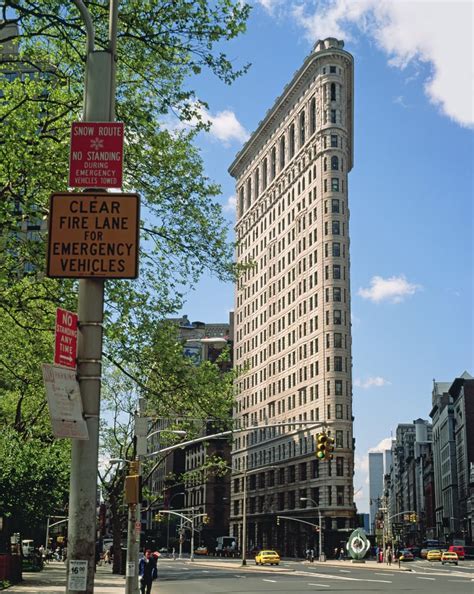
(286, 99)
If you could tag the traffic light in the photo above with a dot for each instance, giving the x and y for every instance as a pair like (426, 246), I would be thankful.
(206, 519)
(321, 443)
(413, 518)
(159, 518)
(133, 488)
(278, 520)
(329, 448)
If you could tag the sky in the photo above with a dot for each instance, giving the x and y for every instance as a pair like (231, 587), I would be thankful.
(410, 190)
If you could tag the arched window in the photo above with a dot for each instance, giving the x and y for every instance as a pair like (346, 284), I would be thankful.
(241, 201)
(249, 193)
(264, 173)
(282, 152)
(312, 116)
(292, 141)
(257, 182)
(334, 163)
(273, 163)
(302, 128)
(333, 91)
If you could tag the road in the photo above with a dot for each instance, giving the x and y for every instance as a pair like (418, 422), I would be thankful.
(222, 577)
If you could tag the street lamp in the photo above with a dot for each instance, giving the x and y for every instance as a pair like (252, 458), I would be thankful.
(322, 557)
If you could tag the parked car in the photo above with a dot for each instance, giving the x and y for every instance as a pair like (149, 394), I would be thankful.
(459, 550)
(434, 555)
(406, 555)
(449, 557)
(267, 557)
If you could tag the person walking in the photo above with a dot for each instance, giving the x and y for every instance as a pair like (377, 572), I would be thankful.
(147, 571)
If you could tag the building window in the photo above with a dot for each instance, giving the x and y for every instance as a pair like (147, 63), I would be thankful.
(337, 363)
(291, 500)
(340, 494)
(302, 472)
(338, 411)
(329, 495)
(281, 501)
(325, 164)
(236, 507)
(336, 271)
(249, 192)
(282, 152)
(336, 295)
(333, 140)
(336, 227)
(325, 185)
(302, 129)
(315, 469)
(257, 182)
(337, 316)
(335, 205)
(335, 184)
(236, 485)
(273, 163)
(292, 141)
(333, 116)
(264, 173)
(337, 340)
(315, 495)
(339, 439)
(333, 91)
(334, 163)
(291, 474)
(281, 476)
(332, 69)
(339, 466)
(241, 201)
(312, 116)
(338, 392)
(336, 249)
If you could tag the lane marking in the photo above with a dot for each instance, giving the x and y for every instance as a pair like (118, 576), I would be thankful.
(272, 581)
(344, 570)
(320, 585)
(426, 578)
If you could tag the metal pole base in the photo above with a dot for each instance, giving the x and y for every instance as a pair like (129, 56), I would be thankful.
(244, 562)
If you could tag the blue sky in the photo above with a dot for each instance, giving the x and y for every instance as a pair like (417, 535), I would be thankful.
(410, 191)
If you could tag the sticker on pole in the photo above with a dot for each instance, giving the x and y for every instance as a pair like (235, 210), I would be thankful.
(130, 569)
(64, 402)
(93, 235)
(65, 344)
(96, 158)
(77, 575)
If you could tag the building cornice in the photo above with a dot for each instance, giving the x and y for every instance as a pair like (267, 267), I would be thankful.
(290, 95)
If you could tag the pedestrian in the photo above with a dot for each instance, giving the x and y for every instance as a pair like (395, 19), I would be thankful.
(389, 556)
(147, 571)
(311, 553)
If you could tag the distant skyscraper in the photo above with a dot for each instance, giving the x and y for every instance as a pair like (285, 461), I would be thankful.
(292, 313)
(375, 485)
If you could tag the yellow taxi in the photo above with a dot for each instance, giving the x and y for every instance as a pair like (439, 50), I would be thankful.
(449, 557)
(433, 555)
(267, 557)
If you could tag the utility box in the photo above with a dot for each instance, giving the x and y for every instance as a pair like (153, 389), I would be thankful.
(133, 489)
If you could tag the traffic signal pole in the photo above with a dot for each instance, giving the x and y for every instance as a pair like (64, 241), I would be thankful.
(99, 97)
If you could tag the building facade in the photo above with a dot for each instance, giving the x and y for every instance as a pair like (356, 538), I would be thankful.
(375, 486)
(292, 310)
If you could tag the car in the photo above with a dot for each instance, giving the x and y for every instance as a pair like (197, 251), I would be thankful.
(406, 555)
(449, 557)
(434, 555)
(201, 551)
(267, 557)
(459, 550)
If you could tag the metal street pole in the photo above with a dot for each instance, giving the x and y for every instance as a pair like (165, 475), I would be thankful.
(244, 521)
(192, 535)
(99, 97)
(180, 556)
(322, 556)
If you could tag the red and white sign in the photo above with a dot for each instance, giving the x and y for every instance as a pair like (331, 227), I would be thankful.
(96, 158)
(65, 350)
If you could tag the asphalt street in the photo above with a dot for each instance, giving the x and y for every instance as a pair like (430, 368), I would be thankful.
(214, 577)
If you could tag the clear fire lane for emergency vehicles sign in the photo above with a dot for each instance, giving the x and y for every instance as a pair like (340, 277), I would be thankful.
(96, 156)
(93, 235)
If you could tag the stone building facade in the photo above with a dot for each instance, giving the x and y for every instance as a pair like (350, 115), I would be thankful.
(292, 310)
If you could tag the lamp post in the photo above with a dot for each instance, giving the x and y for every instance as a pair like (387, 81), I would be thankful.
(321, 556)
(168, 526)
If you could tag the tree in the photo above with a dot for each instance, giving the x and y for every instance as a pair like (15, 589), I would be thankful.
(161, 45)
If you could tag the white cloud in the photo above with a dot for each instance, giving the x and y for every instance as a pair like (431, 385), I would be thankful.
(393, 289)
(230, 205)
(436, 33)
(384, 444)
(371, 382)
(226, 127)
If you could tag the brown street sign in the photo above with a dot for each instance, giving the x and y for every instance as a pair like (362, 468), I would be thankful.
(93, 235)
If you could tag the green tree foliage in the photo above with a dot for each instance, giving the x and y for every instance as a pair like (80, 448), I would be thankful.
(161, 46)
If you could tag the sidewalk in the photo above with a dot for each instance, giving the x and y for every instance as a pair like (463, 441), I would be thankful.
(52, 580)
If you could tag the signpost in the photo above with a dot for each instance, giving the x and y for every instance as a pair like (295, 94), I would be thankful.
(93, 235)
(64, 402)
(65, 346)
(96, 157)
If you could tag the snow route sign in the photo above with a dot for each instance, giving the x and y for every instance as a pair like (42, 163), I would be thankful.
(96, 157)
(65, 344)
(93, 235)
